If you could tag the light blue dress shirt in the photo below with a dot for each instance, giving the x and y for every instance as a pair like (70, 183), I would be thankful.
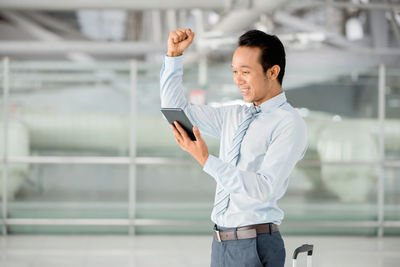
(274, 142)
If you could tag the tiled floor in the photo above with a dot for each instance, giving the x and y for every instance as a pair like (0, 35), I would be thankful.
(179, 251)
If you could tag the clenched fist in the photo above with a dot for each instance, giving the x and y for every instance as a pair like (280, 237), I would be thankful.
(178, 41)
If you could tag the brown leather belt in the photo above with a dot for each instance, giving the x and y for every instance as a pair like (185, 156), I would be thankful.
(245, 232)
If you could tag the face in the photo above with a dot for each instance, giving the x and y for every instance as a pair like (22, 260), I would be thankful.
(255, 85)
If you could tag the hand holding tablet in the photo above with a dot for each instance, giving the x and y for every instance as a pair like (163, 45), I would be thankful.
(177, 114)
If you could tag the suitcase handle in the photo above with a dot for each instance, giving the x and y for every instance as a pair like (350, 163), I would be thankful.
(304, 248)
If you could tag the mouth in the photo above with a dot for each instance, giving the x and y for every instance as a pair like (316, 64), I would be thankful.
(244, 91)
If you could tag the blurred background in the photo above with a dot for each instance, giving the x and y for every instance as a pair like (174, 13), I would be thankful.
(85, 149)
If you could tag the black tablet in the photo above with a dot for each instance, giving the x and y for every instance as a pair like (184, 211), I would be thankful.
(177, 114)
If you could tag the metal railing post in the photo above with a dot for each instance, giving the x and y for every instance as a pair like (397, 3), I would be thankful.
(6, 63)
(381, 144)
(132, 147)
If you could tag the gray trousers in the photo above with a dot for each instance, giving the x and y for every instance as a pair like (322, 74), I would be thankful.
(265, 250)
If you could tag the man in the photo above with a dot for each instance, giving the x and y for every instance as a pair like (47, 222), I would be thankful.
(259, 147)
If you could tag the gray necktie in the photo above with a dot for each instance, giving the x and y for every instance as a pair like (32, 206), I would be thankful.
(222, 197)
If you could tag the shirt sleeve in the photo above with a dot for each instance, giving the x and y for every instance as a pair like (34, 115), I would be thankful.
(208, 119)
(270, 181)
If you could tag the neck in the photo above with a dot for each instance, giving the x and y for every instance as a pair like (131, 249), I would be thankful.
(273, 93)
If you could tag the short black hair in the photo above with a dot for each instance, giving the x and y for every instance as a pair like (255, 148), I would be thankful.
(272, 50)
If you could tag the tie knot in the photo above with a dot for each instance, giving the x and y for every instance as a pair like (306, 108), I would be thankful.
(255, 109)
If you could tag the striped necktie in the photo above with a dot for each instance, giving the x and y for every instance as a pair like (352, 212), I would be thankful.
(222, 197)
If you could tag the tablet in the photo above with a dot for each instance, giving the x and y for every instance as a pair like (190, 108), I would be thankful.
(177, 114)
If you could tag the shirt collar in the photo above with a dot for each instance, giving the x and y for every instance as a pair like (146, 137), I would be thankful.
(271, 103)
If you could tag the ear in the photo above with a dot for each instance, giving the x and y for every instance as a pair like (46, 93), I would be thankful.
(273, 72)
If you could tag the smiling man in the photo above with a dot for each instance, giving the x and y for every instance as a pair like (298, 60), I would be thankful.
(259, 146)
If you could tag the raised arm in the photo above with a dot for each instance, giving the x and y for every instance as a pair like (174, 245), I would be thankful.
(208, 119)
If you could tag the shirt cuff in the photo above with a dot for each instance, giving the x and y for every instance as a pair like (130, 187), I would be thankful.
(212, 165)
(173, 63)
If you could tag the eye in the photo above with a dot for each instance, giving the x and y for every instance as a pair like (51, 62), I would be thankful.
(245, 72)
(234, 71)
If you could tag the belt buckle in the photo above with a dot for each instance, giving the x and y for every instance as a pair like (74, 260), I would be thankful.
(218, 237)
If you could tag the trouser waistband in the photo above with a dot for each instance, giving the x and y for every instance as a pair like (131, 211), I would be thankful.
(244, 232)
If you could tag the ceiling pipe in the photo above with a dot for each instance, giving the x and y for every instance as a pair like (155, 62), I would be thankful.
(344, 5)
(238, 20)
(63, 47)
(69, 5)
(41, 33)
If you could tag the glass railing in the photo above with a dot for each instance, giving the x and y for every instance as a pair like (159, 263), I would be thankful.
(87, 154)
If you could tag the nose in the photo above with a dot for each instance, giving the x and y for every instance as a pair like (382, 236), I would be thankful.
(238, 79)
